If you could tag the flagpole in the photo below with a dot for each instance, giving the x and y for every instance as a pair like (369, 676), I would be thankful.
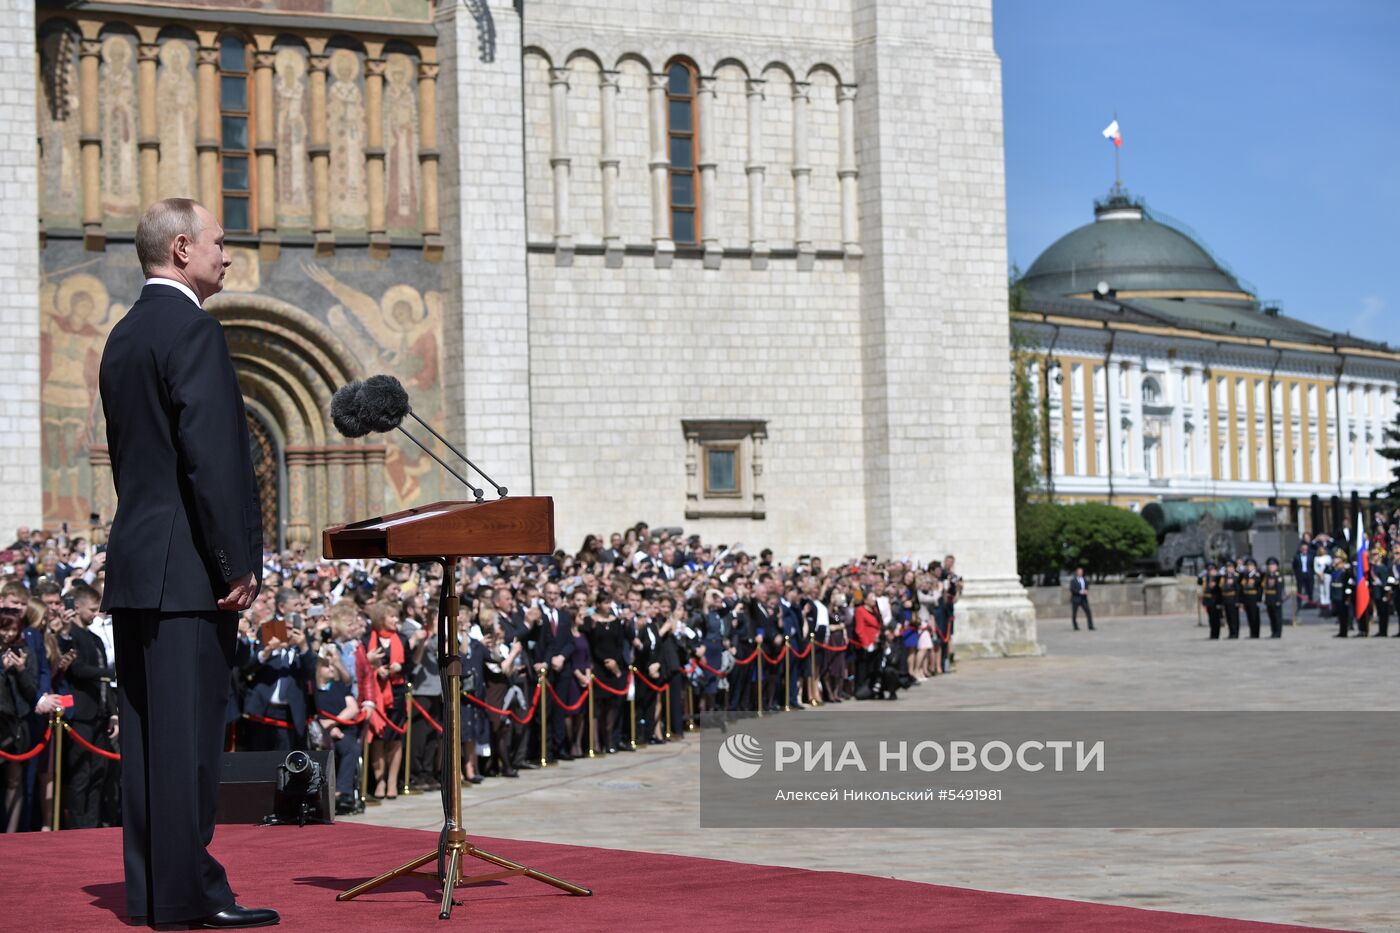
(1117, 175)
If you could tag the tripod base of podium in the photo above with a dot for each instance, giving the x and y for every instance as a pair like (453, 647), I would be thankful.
(457, 851)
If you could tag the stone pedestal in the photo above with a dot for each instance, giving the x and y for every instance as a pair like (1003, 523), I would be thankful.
(995, 619)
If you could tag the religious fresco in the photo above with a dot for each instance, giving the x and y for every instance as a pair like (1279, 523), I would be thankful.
(176, 101)
(418, 10)
(387, 315)
(293, 163)
(297, 317)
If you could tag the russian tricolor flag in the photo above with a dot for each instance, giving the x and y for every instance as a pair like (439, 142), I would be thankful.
(1112, 132)
(1362, 572)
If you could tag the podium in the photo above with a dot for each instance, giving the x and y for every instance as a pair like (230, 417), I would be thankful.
(442, 533)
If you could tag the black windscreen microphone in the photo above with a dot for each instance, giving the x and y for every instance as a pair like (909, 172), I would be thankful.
(379, 404)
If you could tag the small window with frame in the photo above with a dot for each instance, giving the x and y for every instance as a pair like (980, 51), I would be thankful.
(722, 471)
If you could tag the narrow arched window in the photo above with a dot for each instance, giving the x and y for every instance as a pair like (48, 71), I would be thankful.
(681, 126)
(235, 139)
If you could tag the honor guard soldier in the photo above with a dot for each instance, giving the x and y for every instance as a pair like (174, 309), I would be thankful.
(1251, 583)
(1230, 599)
(1341, 593)
(1210, 598)
(1273, 597)
(1382, 591)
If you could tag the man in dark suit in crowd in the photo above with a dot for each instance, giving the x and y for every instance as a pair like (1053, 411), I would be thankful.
(1303, 571)
(554, 647)
(1079, 599)
(186, 558)
(278, 690)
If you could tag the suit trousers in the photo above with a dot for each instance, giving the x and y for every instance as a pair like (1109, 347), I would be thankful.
(1275, 611)
(173, 672)
(84, 774)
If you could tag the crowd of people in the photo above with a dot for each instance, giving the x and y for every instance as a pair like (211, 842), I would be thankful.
(624, 643)
(1326, 571)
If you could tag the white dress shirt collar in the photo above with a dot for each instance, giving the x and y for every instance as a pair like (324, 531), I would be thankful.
(156, 280)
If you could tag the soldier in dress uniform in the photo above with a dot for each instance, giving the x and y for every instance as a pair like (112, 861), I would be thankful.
(1251, 590)
(1230, 599)
(1382, 591)
(1341, 592)
(1209, 582)
(1273, 597)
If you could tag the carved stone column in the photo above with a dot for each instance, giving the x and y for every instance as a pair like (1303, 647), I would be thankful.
(320, 151)
(266, 150)
(39, 138)
(207, 139)
(147, 142)
(90, 139)
(609, 164)
(428, 159)
(660, 167)
(706, 202)
(559, 162)
(298, 520)
(754, 169)
(801, 176)
(846, 171)
(374, 156)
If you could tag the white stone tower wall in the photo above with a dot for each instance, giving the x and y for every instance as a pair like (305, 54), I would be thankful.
(20, 467)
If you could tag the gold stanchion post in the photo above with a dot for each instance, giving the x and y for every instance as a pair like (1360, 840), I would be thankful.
(632, 704)
(689, 706)
(592, 721)
(404, 789)
(364, 766)
(544, 723)
(787, 677)
(57, 733)
(758, 663)
(670, 711)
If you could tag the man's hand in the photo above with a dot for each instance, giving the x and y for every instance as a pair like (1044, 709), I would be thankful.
(240, 594)
(114, 728)
(612, 667)
(47, 704)
(296, 638)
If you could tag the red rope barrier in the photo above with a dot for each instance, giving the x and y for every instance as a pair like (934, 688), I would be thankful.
(279, 723)
(826, 647)
(364, 714)
(389, 722)
(578, 704)
(424, 713)
(800, 655)
(701, 662)
(25, 756)
(746, 661)
(110, 756)
(529, 715)
(654, 687)
(613, 690)
(778, 658)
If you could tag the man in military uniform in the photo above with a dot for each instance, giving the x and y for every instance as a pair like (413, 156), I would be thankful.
(1251, 583)
(1341, 592)
(1382, 591)
(1230, 599)
(1273, 597)
(1210, 598)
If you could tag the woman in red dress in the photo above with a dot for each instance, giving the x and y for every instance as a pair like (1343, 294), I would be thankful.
(386, 656)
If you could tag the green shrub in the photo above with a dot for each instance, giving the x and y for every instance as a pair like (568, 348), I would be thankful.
(1105, 539)
(1039, 543)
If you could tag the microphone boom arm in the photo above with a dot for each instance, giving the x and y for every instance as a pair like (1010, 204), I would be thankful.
(500, 490)
(475, 491)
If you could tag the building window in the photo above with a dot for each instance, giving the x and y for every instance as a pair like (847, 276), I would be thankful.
(235, 142)
(681, 126)
(724, 468)
(1151, 394)
(721, 470)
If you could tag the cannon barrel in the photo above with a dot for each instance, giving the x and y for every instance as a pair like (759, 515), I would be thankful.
(1232, 514)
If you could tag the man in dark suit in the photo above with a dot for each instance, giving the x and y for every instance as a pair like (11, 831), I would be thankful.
(1079, 599)
(186, 557)
(554, 649)
(278, 690)
(1303, 571)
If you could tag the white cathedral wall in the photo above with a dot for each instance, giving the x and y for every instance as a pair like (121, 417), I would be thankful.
(20, 468)
(621, 356)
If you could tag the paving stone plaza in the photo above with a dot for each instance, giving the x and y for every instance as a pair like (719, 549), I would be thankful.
(1335, 878)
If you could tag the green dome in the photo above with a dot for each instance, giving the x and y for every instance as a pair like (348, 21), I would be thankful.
(1134, 254)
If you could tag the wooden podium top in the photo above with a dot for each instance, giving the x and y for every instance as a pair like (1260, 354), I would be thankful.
(501, 527)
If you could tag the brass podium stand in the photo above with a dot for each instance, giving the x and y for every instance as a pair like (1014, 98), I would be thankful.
(523, 525)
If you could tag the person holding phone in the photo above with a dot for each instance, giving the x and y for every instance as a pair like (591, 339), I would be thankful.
(19, 690)
(386, 658)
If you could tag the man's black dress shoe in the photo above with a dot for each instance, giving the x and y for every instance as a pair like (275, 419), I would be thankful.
(232, 918)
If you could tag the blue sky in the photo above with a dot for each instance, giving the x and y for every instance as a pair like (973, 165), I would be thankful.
(1270, 127)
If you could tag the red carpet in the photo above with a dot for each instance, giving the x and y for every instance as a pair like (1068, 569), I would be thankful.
(71, 881)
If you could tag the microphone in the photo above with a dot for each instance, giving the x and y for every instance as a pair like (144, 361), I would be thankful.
(378, 405)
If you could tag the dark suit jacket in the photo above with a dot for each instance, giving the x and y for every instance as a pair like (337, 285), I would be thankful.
(84, 677)
(300, 668)
(549, 644)
(188, 520)
(1078, 587)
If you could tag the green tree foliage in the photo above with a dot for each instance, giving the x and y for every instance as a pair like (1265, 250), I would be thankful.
(1105, 539)
(1039, 541)
(1024, 421)
(1391, 452)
